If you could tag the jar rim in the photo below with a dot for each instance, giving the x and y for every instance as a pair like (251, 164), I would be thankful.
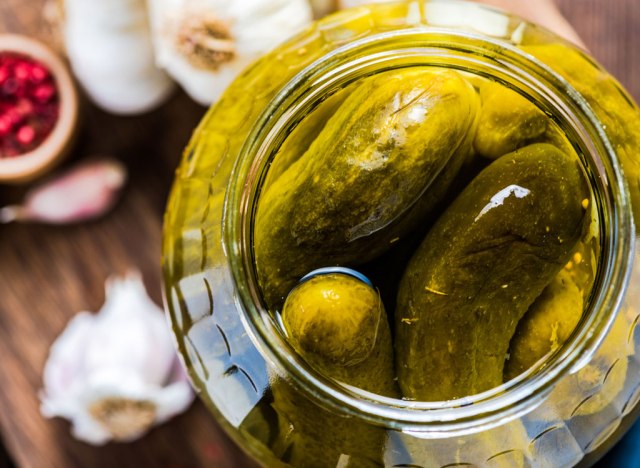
(506, 402)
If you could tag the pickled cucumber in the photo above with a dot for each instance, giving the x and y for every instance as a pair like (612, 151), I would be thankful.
(338, 325)
(507, 121)
(546, 326)
(378, 166)
(479, 269)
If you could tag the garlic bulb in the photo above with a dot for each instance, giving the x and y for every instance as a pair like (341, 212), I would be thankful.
(205, 44)
(115, 374)
(109, 46)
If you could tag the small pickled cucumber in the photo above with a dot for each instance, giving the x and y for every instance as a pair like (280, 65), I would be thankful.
(382, 161)
(507, 121)
(547, 325)
(479, 269)
(338, 325)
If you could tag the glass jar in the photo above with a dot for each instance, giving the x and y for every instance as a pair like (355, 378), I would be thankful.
(564, 412)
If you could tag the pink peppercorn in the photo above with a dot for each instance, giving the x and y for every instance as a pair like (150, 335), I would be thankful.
(38, 73)
(25, 135)
(44, 93)
(5, 125)
(21, 71)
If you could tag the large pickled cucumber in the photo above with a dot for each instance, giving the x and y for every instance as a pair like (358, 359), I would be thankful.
(338, 325)
(547, 325)
(381, 162)
(480, 268)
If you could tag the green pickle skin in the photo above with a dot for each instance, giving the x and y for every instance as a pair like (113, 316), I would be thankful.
(482, 265)
(339, 326)
(381, 163)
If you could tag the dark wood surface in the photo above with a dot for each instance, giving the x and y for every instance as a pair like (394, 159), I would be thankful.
(49, 273)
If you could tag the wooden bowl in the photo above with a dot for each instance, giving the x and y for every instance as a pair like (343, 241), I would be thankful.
(56, 145)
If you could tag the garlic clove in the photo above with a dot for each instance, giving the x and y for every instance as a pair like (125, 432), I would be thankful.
(115, 374)
(84, 192)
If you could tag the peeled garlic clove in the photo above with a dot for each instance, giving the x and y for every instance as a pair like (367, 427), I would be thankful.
(115, 374)
(205, 44)
(84, 192)
(111, 52)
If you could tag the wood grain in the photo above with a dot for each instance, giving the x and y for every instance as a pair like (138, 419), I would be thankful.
(49, 273)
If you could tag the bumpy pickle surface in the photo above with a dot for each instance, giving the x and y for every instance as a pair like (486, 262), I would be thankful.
(479, 269)
(382, 161)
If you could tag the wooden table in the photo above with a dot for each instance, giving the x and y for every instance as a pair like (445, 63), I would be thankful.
(49, 273)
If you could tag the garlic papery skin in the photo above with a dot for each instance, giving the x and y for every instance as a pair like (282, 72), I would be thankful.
(115, 374)
(205, 44)
(109, 46)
